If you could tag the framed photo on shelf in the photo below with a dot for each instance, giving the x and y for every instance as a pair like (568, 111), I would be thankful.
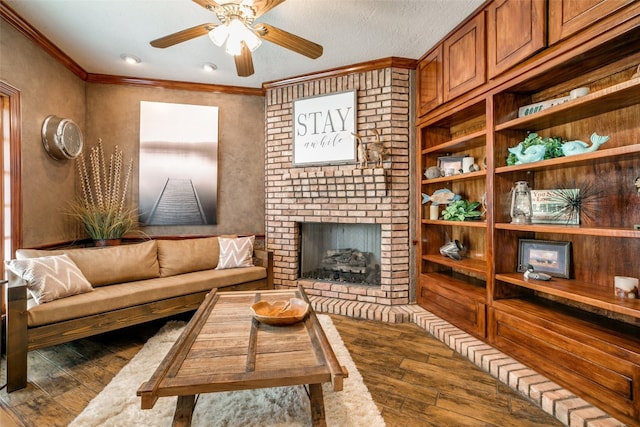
(450, 165)
(546, 256)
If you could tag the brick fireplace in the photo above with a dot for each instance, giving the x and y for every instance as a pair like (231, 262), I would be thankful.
(346, 194)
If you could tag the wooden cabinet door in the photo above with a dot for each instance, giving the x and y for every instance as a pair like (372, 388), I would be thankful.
(567, 17)
(464, 58)
(515, 31)
(429, 81)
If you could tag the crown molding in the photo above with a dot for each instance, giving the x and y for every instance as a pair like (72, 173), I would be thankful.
(376, 64)
(172, 84)
(38, 38)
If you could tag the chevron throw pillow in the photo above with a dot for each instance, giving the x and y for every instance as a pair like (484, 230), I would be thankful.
(236, 252)
(51, 277)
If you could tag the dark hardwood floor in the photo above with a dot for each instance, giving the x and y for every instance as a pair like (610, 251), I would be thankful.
(414, 379)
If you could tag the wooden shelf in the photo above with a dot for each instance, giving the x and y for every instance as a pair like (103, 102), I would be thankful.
(462, 113)
(573, 290)
(473, 140)
(609, 99)
(571, 230)
(459, 177)
(472, 224)
(600, 155)
(472, 265)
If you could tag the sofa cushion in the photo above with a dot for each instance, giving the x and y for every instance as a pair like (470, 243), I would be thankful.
(235, 252)
(51, 277)
(117, 264)
(111, 264)
(109, 298)
(187, 255)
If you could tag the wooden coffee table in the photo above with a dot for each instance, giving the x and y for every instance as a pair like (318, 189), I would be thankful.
(223, 348)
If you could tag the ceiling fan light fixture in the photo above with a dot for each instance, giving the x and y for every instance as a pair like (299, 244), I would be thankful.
(234, 46)
(234, 31)
(219, 34)
(236, 36)
(252, 40)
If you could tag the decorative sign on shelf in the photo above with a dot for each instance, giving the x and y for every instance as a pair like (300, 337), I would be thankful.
(322, 129)
(576, 93)
(550, 207)
(527, 110)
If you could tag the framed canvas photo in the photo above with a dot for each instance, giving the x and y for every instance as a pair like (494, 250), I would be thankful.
(323, 128)
(546, 256)
(178, 164)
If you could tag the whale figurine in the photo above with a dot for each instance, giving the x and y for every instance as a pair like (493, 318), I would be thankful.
(440, 197)
(571, 148)
(532, 154)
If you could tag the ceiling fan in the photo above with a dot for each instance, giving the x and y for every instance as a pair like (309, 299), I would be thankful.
(242, 37)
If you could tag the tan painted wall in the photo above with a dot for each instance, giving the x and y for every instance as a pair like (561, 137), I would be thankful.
(111, 112)
(46, 87)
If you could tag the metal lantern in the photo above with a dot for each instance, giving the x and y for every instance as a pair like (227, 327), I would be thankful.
(521, 208)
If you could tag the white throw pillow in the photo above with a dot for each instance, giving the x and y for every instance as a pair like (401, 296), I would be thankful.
(235, 252)
(50, 277)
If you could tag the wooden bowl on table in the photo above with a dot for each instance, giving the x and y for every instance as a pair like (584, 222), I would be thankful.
(280, 313)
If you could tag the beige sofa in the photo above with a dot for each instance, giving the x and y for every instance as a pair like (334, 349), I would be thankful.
(129, 284)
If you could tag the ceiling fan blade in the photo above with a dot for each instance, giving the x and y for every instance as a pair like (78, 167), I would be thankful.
(289, 41)
(262, 6)
(244, 62)
(207, 4)
(183, 36)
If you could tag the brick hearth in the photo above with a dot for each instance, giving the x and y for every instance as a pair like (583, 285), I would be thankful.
(344, 193)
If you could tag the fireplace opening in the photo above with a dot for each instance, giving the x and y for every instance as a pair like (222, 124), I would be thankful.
(344, 253)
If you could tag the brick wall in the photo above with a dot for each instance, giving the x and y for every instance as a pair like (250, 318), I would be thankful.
(344, 193)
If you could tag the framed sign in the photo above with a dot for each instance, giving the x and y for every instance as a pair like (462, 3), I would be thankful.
(546, 256)
(322, 129)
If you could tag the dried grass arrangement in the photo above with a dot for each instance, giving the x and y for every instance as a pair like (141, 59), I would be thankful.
(102, 205)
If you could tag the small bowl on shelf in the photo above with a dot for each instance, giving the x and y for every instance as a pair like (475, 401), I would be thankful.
(280, 313)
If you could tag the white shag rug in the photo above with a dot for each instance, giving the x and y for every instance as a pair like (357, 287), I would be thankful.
(118, 406)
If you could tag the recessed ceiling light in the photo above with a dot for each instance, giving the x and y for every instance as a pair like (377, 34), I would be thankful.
(209, 67)
(130, 59)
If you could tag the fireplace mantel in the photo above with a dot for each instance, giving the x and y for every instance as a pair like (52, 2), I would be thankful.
(337, 183)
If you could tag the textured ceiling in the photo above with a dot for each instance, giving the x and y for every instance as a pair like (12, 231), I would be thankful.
(94, 33)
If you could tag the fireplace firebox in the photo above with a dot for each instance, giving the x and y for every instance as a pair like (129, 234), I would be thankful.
(343, 253)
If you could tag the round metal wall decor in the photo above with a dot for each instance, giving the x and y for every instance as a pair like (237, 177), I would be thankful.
(62, 138)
